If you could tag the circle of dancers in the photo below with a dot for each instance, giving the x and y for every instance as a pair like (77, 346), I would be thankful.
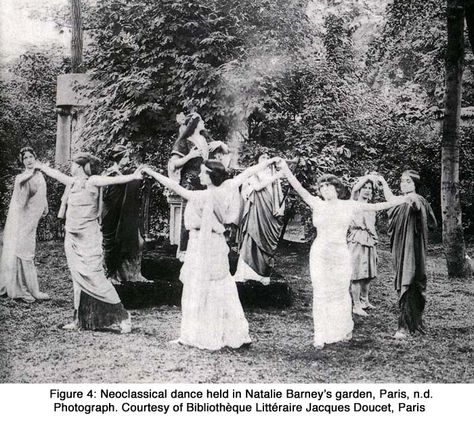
(342, 258)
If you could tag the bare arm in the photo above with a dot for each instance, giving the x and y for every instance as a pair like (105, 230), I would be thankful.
(258, 186)
(177, 162)
(169, 183)
(55, 174)
(115, 180)
(242, 177)
(379, 206)
(387, 192)
(297, 186)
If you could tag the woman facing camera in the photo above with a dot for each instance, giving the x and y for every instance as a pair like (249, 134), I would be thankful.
(362, 240)
(18, 277)
(408, 229)
(212, 315)
(96, 302)
(330, 259)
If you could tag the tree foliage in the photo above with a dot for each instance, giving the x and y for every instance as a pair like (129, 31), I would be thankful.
(28, 114)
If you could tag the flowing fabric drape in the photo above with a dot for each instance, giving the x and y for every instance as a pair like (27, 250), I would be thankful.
(260, 230)
(408, 230)
(18, 277)
(212, 316)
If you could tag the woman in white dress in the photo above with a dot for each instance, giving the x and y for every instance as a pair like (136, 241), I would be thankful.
(18, 276)
(212, 315)
(330, 259)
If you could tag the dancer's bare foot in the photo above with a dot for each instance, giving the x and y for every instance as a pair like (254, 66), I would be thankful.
(359, 311)
(400, 334)
(366, 304)
(126, 325)
(42, 296)
(72, 326)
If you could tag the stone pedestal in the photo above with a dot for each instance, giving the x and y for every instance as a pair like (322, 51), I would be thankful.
(176, 207)
(71, 99)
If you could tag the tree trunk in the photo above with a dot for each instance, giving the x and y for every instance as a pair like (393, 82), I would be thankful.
(469, 10)
(76, 37)
(453, 238)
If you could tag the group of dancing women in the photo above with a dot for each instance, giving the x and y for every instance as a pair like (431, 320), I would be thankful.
(342, 259)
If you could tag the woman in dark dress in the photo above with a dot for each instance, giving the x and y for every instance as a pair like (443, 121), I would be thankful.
(408, 229)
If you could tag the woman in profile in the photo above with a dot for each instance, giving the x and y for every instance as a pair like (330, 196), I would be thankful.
(18, 276)
(408, 230)
(330, 259)
(96, 302)
(212, 315)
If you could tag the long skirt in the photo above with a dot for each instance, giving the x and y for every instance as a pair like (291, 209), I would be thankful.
(212, 315)
(330, 267)
(95, 299)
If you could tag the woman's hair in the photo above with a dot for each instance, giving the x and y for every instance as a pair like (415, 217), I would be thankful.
(261, 152)
(88, 162)
(413, 175)
(217, 172)
(331, 180)
(368, 182)
(117, 153)
(191, 123)
(23, 151)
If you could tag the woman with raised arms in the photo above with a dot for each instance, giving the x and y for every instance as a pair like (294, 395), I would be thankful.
(212, 315)
(330, 259)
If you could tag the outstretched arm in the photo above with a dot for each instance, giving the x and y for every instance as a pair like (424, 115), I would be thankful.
(55, 174)
(242, 177)
(169, 183)
(297, 186)
(379, 206)
(115, 180)
(258, 186)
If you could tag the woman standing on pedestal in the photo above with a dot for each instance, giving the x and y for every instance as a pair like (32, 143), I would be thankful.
(96, 302)
(330, 259)
(18, 277)
(212, 316)
(184, 166)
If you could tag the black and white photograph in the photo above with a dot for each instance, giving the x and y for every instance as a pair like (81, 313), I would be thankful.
(238, 192)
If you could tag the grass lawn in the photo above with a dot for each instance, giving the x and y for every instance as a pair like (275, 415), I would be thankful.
(34, 349)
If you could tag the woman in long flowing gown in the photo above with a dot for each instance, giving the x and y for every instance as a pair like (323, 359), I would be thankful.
(408, 230)
(96, 302)
(212, 315)
(261, 226)
(18, 276)
(330, 259)
(362, 240)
